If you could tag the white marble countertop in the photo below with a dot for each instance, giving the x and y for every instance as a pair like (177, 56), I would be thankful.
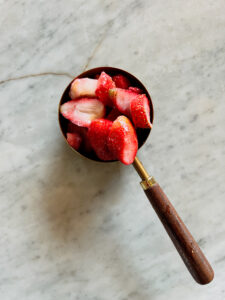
(75, 229)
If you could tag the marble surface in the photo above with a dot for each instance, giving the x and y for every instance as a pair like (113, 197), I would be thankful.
(76, 229)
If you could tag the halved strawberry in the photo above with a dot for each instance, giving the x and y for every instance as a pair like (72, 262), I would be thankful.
(122, 99)
(114, 113)
(81, 112)
(135, 89)
(98, 133)
(83, 87)
(74, 139)
(122, 140)
(140, 112)
(121, 81)
(105, 83)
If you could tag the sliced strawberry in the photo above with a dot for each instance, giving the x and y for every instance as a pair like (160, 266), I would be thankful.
(140, 112)
(121, 81)
(105, 83)
(81, 112)
(135, 90)
(83, 87)
(122, 140)
(98, 136)
(74, 139)
(114, 113)
(82, 131)
(122, 99)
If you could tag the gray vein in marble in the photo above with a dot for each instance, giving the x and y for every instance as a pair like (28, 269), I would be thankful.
(37, 75)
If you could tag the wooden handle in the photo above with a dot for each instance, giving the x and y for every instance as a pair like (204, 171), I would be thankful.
(187, 247)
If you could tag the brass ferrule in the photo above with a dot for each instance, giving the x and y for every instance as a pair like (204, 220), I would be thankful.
(147, 183)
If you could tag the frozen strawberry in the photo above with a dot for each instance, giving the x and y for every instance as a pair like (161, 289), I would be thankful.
(122, 99)
(83, 87)
(105, 83)
(81, 112)
(140, 112)
(74, 139)
(98, 136)
(114, 113)
(121, 81)
(122, 140)
(82, 131)
(135, 90)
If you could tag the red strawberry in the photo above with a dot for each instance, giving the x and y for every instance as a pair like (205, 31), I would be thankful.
(122, 140)
(98, 136)
(74, 139)
(135, 90)
(81, 112)
(104, 84)
(82, 131)
(121, 81)
(114, 113)
(140, 112)
(122, 99)
(83, 87)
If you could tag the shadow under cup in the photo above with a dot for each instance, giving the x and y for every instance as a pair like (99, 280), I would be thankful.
(142, 134)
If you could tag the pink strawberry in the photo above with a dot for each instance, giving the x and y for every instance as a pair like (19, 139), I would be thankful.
(140, 112)
(114, 113)
(74, 139)
(135, 90)
(81, 112)
(121, 81)
(83, 87)
(105, 83)
(98, 135)
(122, 99)
(122, 140)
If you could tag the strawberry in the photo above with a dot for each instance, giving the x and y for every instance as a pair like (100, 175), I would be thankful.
(105, 83)
(140, 112)
(135, 90)
(121, 81)
(74, 139)
(98, 136)
(122, 140)
(122, 99)
(114, 113)
(81, 112)
(83, 87)
(82, 131)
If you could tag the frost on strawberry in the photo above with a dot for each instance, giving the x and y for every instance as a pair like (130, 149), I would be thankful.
(105, 83)
(122, 99)
(98, 136)
(121, 81)
(122, 140)
(83, 87)
(135, 89)
(140, 112)
(74, 139)
(81, 112)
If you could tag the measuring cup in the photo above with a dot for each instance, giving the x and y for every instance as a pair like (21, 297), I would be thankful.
(187, 247)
